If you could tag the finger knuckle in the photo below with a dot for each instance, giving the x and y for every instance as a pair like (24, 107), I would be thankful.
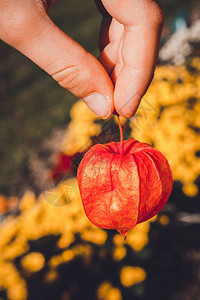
(68, 77)
(75, 78)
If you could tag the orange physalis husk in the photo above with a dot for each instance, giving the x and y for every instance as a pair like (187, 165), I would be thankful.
(124, 183)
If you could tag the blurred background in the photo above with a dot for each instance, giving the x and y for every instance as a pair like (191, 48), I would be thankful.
(48, 248)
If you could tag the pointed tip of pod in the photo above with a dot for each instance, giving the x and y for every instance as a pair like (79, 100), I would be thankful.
(123, 232)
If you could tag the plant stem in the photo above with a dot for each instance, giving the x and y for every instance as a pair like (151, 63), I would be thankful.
(121, 138)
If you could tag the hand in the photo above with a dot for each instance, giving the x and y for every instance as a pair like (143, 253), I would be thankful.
(129, 41)
(25, 25)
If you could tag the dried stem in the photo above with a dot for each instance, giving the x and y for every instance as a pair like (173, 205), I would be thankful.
(121, 138)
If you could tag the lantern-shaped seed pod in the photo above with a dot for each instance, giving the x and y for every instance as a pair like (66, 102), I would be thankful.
(122, 188)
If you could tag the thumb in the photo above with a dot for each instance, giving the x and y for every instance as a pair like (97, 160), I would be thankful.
(37, 37)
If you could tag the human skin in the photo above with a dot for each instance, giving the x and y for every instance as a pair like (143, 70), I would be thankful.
(129, 43)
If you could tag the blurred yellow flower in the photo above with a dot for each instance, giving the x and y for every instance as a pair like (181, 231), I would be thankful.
(80, 129)
(27, 201)
(132, 275)
(190, 190)
(138, 238)
(96, 236)
(164, 220)
(51, 276)
(55, 261)
(118, 239)
(67, 255)
(106, 292)
(33, 262)
(11, 281)
(65, 240)
(118, 253)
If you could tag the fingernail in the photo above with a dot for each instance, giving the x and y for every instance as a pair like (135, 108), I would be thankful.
(99, 104)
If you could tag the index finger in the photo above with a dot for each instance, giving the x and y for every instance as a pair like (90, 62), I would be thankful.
(143, 21)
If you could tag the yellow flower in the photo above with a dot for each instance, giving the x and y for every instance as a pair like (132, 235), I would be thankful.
(132, 275)
(27, 201)
(96, 236)
(190, 190)
(33, 262)
(118, 239)
(118, 253)
(67, 255)
(55, 261)
(51, 276)
(138, 238)
(65, 240)
(11, 281)
(107, 292)
(164, 220)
